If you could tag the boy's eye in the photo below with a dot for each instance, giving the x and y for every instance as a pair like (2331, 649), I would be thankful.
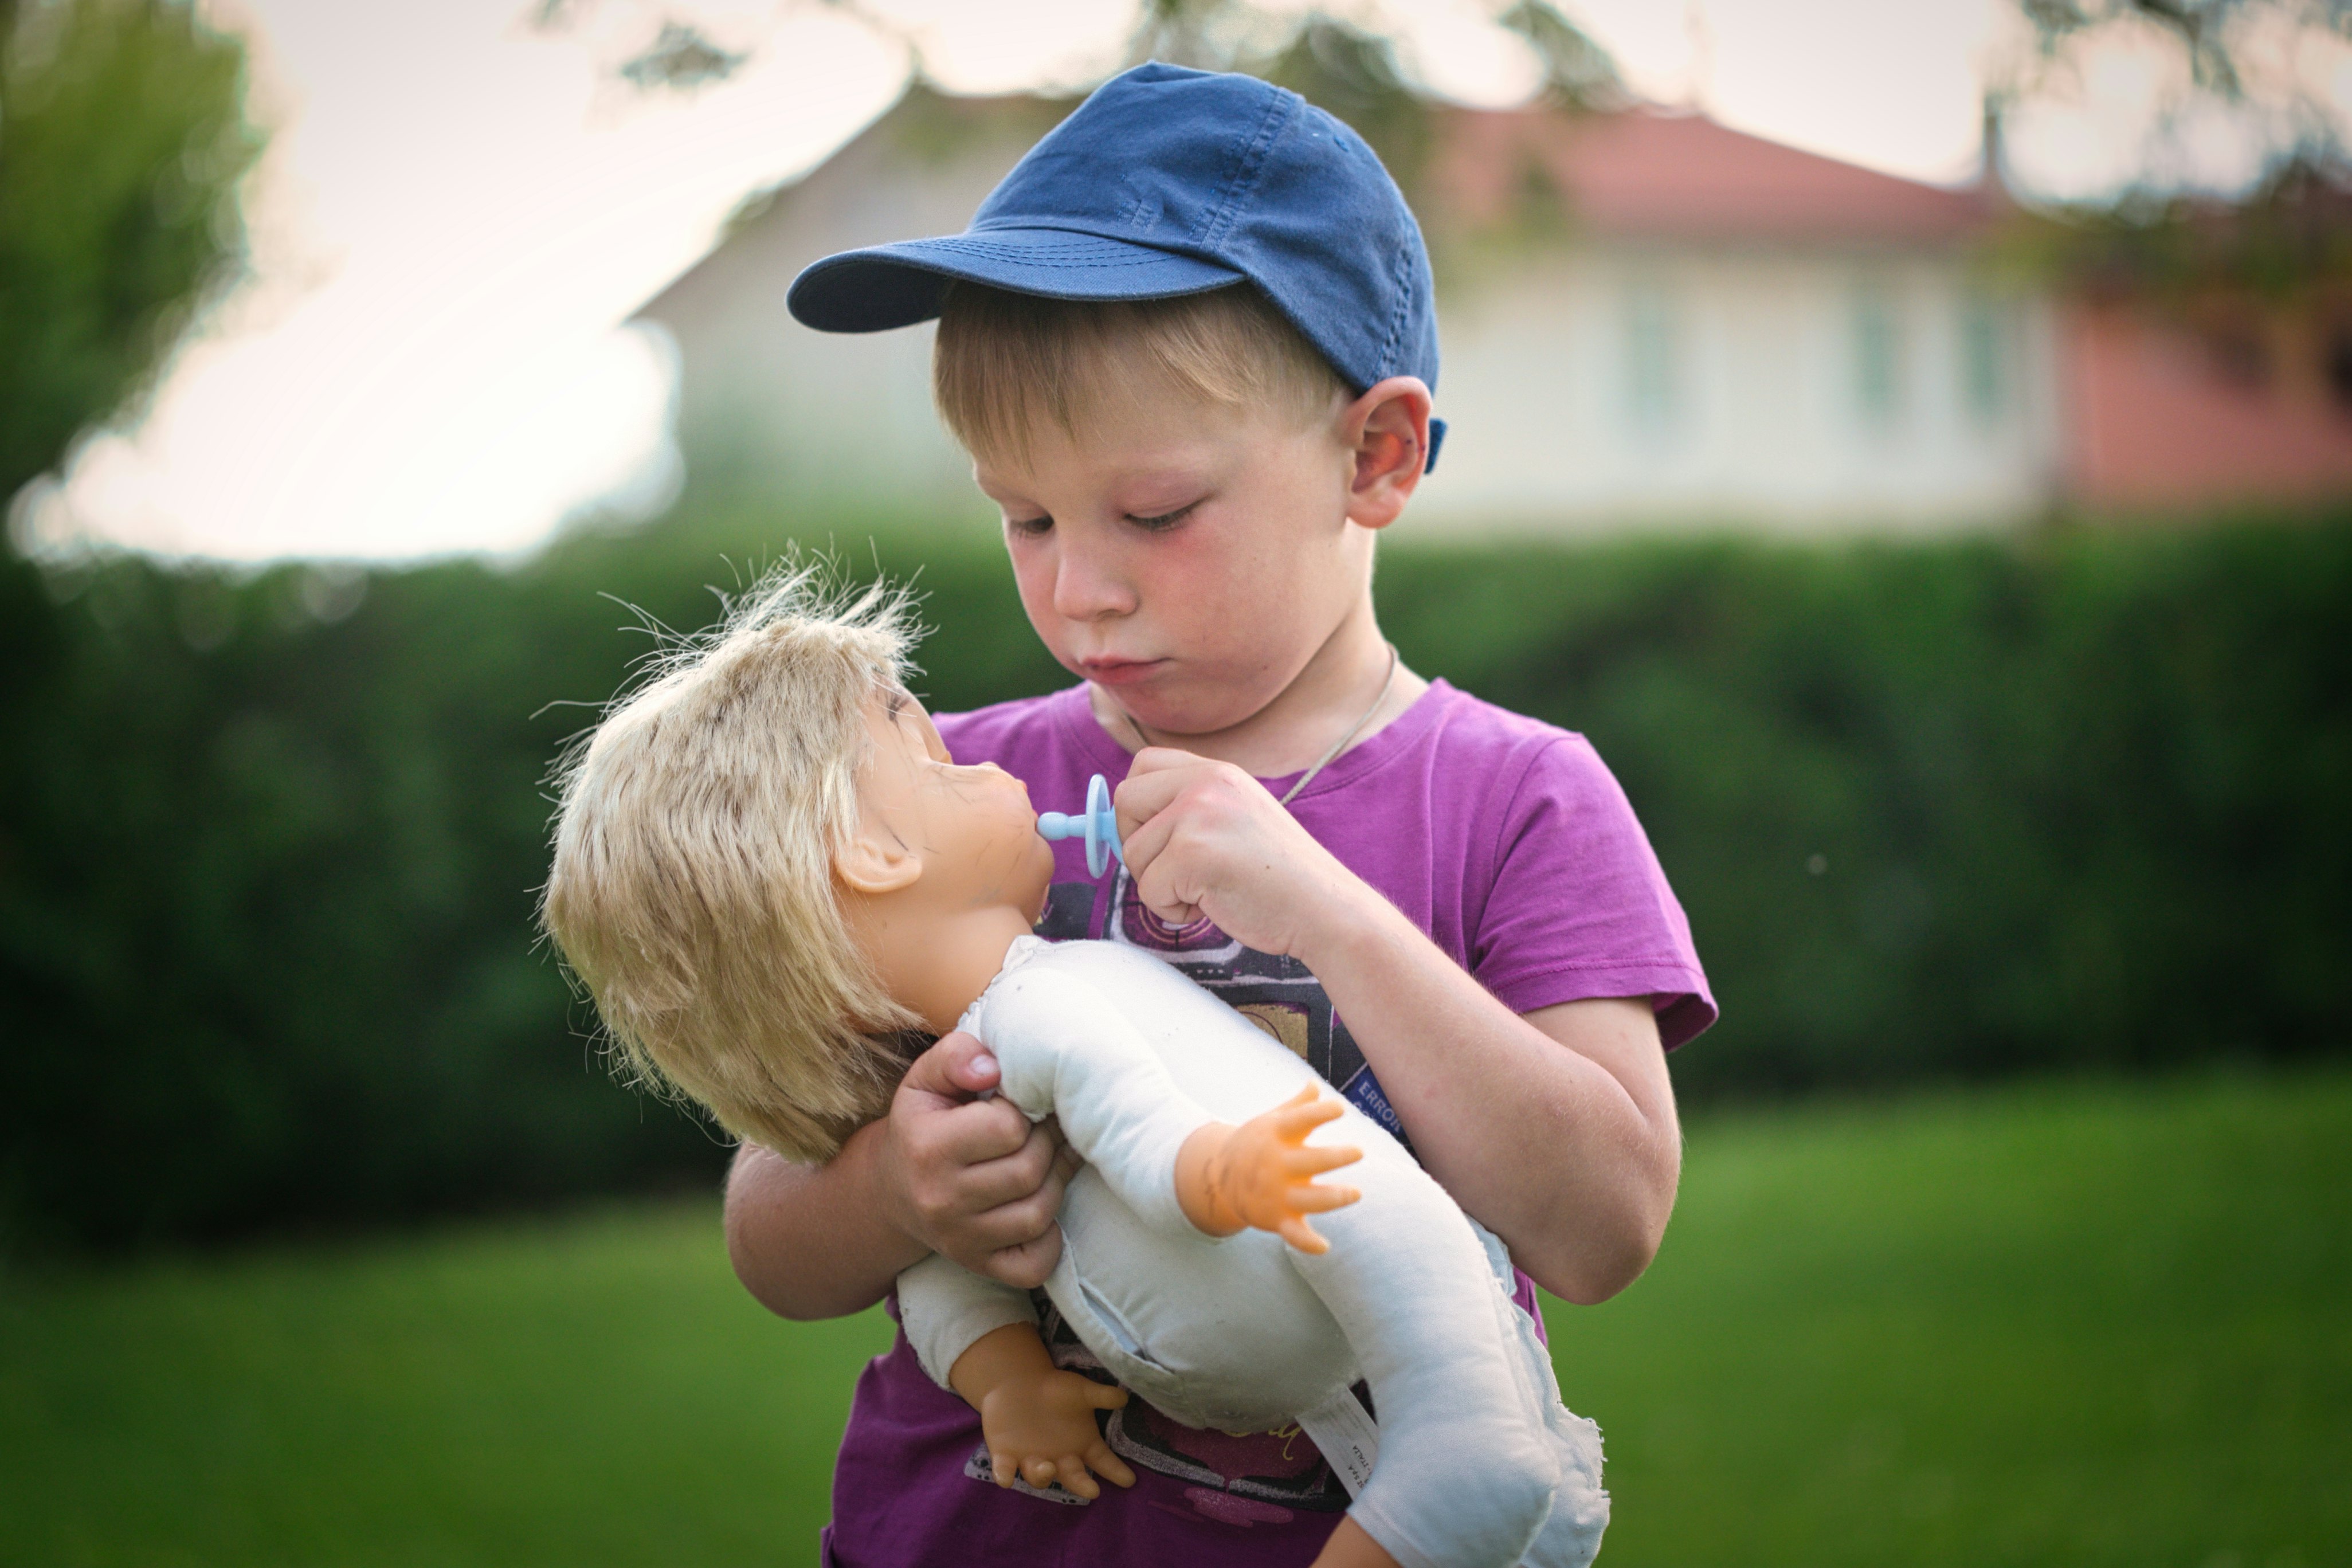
(1029, 527)
(1165, 520)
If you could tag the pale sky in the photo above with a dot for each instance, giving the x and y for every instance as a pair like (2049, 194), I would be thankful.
(458, 213)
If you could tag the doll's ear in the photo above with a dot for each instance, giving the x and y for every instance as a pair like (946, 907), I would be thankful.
(873, 866)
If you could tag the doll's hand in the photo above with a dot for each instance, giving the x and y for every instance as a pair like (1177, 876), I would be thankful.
(1262, 1173)
(1037, 1420)
(1044, 1431)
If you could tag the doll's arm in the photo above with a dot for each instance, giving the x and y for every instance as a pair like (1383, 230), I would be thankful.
(1065, 1049)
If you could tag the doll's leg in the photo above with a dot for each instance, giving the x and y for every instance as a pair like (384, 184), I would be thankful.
(1261, 1174)
(1037, 1420)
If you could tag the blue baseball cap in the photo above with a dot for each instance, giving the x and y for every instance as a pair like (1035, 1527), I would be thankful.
(1167, 182)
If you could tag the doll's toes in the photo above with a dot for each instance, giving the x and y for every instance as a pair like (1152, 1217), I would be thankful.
(1110, 1466)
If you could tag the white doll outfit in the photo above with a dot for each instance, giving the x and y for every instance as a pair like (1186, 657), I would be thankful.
(1474, 1461)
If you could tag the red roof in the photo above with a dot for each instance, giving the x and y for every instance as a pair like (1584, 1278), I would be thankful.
(1657, 174)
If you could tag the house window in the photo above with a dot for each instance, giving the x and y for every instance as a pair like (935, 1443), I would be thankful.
(1984, 360)
(1652, 382)
(1877, 358)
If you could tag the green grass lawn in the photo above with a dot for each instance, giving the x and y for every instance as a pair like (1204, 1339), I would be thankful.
(2062, 1324)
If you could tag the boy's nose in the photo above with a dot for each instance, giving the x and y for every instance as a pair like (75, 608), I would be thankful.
(1083, 591)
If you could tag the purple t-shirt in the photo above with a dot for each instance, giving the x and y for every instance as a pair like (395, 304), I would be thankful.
(1503, 838)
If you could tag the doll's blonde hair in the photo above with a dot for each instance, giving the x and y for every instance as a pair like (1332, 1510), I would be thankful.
(1003, 364)
(693, 888)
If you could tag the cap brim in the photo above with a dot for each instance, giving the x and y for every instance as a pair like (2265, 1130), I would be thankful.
(888, 285)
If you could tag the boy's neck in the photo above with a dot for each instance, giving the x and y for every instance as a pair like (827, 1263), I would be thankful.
(1335, 689)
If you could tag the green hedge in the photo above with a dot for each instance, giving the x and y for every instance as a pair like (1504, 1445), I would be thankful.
(268, 844)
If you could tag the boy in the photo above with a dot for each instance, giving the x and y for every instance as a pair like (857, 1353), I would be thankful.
(1190, 342)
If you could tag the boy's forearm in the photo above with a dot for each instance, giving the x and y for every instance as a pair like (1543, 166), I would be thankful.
(814, 1241)
(1557, 1130)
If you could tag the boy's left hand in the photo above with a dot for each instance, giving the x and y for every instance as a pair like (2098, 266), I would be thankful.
(1204, 840)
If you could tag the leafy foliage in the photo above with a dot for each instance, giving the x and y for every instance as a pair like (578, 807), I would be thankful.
(122, 139)
(270, 844)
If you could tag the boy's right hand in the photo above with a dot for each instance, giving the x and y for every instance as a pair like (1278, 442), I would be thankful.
(972, 1179)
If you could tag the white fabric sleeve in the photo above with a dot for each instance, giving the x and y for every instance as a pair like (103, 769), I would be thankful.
(1067, 1051)
(945, 1309)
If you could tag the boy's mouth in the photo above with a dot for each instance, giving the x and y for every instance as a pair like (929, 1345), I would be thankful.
(1118, 671)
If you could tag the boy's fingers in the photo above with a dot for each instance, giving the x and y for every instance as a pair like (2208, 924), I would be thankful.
(1028, 1169)
(1026, 1266)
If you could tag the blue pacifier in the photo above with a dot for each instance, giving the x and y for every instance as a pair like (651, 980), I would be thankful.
(1098, 827)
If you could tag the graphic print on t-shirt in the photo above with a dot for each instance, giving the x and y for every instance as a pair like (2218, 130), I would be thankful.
(1276, 993)
(1267, 1471)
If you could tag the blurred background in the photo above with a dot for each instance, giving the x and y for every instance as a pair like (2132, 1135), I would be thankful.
(1915, 442)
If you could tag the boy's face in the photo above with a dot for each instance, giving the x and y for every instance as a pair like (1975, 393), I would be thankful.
(1189, 557)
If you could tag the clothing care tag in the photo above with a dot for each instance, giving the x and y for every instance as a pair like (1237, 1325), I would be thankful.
(1349, 1439)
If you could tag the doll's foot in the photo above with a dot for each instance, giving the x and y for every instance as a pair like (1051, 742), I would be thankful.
(1261, 1174)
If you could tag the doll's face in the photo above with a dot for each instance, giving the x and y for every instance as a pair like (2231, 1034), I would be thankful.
(972, 829)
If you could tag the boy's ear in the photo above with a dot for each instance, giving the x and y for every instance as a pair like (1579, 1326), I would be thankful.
(874, 866)
(1388, 429)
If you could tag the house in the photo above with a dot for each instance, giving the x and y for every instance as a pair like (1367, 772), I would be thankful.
(1647, 318)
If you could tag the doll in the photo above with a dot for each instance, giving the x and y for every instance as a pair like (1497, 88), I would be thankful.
(769, 875)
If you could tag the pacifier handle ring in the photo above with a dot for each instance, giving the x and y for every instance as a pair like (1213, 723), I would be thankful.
(1102, 828)
(1099, 825)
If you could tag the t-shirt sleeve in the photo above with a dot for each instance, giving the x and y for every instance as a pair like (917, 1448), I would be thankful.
(1578, 906)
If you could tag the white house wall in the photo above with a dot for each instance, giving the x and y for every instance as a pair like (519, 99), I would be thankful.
(1553, 375)
(1587, 389)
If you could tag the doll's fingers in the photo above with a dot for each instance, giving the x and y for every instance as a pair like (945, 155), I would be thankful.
(1075, 1477)
(1321, 1157)
(1001, 1467)
(1308, 1106)
(1038, 1471)
(1321, 1199)
(1301, 1236)
(1110, 1466)
(1105, 1395)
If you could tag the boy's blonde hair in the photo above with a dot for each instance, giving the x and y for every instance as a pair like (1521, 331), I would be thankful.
(693, 890)
(1002, 361)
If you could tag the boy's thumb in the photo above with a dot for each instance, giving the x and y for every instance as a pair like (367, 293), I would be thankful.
(956, 1067)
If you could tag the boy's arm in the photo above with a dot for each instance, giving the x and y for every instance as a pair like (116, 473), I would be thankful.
(943, 1173)
(1556, 1130)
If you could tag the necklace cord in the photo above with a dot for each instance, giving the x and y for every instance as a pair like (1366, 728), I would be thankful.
(1337, 746)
